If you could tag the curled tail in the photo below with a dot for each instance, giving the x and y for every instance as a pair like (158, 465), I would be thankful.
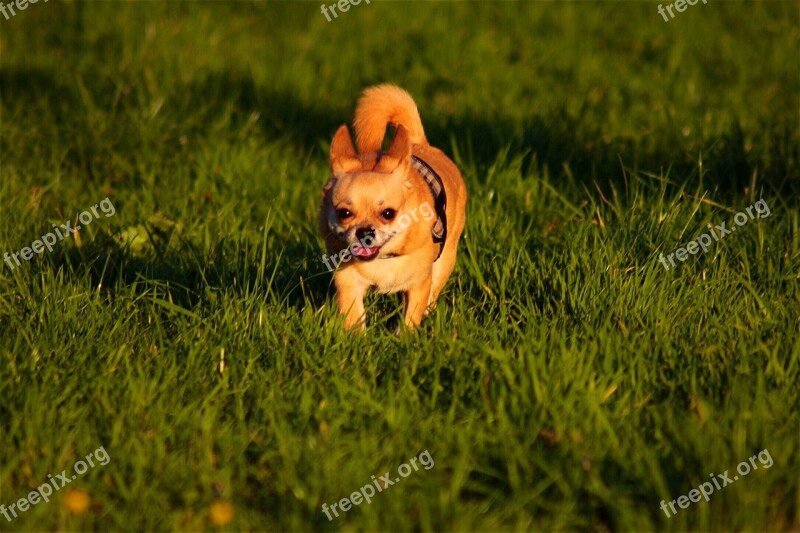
(381, 105)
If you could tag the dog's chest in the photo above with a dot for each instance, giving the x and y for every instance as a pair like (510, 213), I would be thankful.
(391, 275)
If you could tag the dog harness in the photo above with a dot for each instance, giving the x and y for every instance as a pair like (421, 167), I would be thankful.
(434, 181)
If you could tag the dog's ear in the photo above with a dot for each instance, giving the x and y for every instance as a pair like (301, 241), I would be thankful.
(328, 186)
(343, 156)
(399, 152)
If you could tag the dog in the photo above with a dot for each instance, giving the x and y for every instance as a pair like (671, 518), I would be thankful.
(369, 212)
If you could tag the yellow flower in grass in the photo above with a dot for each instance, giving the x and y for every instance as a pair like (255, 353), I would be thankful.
(76, 501)
(221, 512)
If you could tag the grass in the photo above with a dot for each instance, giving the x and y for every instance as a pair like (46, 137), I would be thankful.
(567, 381)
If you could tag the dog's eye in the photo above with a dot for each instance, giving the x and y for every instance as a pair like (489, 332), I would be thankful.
(343, 213)
(388, 214)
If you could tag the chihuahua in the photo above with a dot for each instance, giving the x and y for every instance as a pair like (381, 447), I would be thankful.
(369, 212)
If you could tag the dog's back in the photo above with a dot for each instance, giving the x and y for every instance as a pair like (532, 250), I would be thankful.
(388, 104)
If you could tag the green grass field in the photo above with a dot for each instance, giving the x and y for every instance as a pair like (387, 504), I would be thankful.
(567, 380)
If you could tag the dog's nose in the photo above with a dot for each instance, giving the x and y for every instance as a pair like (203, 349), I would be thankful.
(363, 233)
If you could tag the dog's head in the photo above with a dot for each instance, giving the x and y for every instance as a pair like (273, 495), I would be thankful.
(372, 205)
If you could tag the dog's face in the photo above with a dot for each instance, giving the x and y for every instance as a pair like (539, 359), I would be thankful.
(365, 211)
(371, 205)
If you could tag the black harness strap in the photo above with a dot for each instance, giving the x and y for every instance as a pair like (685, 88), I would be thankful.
(436, 186)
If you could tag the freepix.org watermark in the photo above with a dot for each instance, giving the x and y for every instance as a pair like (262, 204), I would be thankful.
(366, 492)
(22, 5)
(48, 240)
(706, 489)
(44, 491)
(403, 222)
(679, 5)
(343, 5)
(704, 240)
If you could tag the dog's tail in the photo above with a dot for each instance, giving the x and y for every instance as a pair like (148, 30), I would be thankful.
(381, 105)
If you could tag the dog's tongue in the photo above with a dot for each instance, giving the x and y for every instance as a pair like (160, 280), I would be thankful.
(363, 251)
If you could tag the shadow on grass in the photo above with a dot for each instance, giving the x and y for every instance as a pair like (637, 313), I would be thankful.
(552, 142)
(189, 277)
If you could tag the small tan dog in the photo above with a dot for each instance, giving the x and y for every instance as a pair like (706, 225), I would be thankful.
(370, 207)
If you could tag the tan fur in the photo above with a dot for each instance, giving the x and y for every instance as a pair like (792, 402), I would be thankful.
(382, 105)
(369, 182)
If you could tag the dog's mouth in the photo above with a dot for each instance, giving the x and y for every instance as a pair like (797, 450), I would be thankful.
(365, 253)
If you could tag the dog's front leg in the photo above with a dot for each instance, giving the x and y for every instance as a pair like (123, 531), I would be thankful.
(350, 300)
(417, 302)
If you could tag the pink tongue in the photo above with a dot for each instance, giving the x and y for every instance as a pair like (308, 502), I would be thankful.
(362, 251)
